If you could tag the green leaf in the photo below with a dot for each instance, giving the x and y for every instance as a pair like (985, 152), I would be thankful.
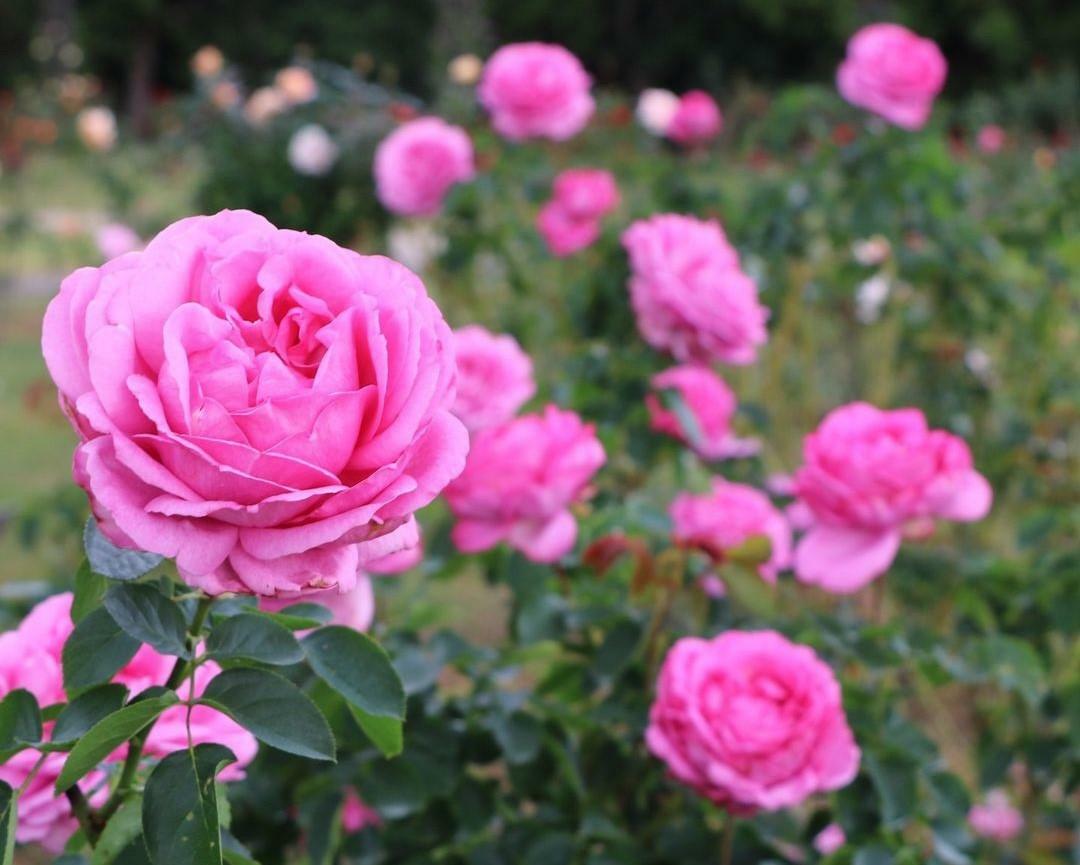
(113, 562)
(124, 827)
(86, 710)
(256, 638)
(95, 651)
(89, 590)
(108, 734)
(875, 854)
(896, 784)
(755, 550)
(518, 735)
(746, 587)
(148, 616)
(8, 820)
(320, 818)
(300, 617)
(358, 668)
(386, 734)
(273, 709)
(673, 401)
(20, 720)
(180, 813)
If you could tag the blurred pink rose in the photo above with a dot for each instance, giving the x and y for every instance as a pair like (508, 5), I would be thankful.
(44, 816)
(712, 405)
(867, 475)
(697, 120)
(991, 138)
(519, 482)
(114, 239)
(563, 234)
(830, 839)
(580, 198)
(996, 818)
(689, 292)
(751, 721)
(417, 163)
(355, 815)
(536, 90)
(265, 406)
(892, 72)
(586, 193)
(726, 518)
(495, 377)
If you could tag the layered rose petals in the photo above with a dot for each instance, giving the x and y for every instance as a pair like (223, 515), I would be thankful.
(495, 377)
(262, 405)
(868, 477)
(751, 721)
(418, 163)
(520, 480)
(689, 292)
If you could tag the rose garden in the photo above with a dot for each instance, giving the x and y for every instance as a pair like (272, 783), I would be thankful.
(545, 473)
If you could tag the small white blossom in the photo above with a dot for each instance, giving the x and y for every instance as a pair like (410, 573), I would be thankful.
(312, 151)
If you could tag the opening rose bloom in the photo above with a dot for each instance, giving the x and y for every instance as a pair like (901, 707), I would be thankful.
(536, 90)
(696, 121)
(570, 221)
(892, 72)
(751, 721)
(495, 377)
(996, 818)
(710, 404)
(727, 517)
(417, 163)
(30, 658)
(265, 407)
(870, 475)
(689, 293)
(519, 482)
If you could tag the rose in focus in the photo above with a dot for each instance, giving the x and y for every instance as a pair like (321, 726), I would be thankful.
(266, 407)
(751, 721)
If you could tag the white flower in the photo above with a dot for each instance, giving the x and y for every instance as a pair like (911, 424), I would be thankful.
(978, 361)
(871, 251)
(415, 244)
(96, 128)
(870, 296)
(465, 69)
(312, 151)
(655, 108)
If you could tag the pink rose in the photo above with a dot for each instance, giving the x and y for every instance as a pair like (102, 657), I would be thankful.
(689, 293)
(263, 405)
(417, 163)
(830, 839)
(697, 120)
(495, 377)
(726, 518)
(996, 818)
(571, 220)
(44, 816)
(892, 72)
(991, 138)
(536, 90)
(354, 609)
(751, 721)
(519, 482)
(355, 815)
(868, 476)
(586, 193)
(711, 404)
(114, 239)
(563, 234)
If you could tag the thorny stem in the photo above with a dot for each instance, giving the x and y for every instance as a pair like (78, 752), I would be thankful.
(93, 822)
